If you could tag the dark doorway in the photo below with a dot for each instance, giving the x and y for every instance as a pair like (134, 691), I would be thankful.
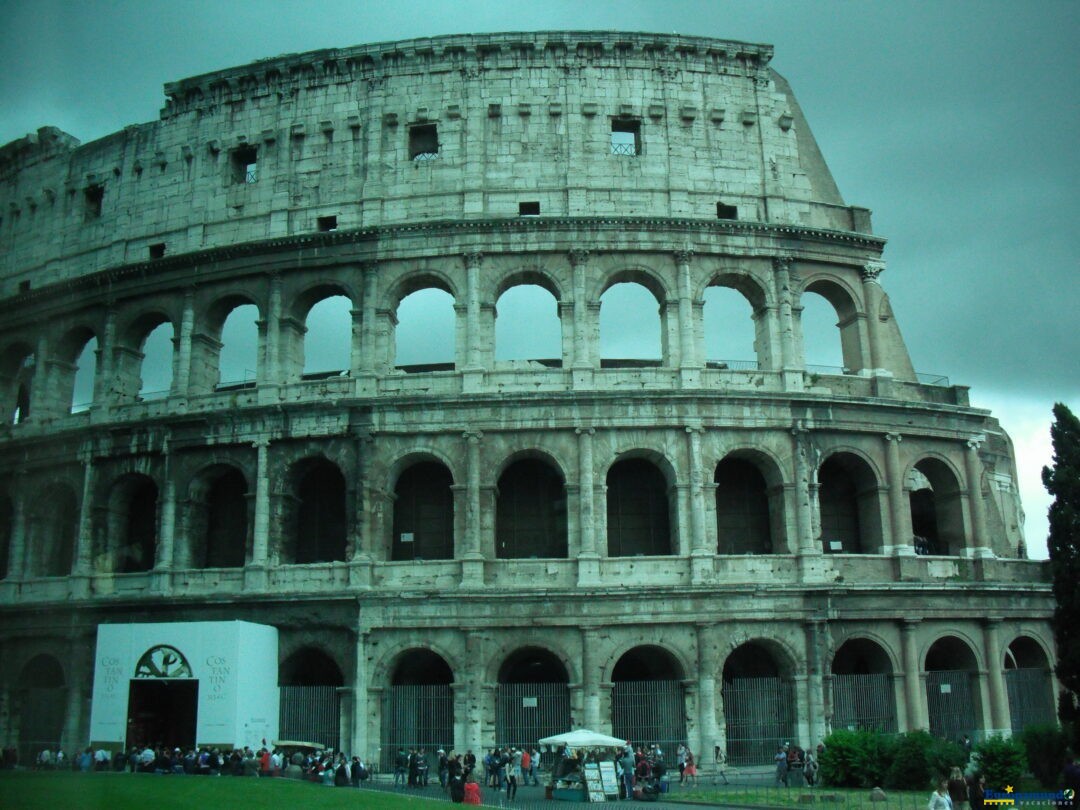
(162, 712)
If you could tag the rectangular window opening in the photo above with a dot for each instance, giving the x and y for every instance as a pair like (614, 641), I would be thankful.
(157, 251)
(245, 165)
(528, 209)
(94, 195)
(327, 224)
(625, 136)
(24, 286)
(423, 142)
(726, 211)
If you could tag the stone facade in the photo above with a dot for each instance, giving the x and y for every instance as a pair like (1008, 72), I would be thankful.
(676, 526)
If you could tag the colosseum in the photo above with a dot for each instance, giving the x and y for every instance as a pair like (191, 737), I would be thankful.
(483, 546)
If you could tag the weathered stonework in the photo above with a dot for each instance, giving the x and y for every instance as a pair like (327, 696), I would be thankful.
(518, 118)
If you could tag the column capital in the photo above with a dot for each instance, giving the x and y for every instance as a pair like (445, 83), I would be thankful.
(474, 259)
(261, 442)
(583, 431)
(369, 267)
(974, 441)
(871, 270)
(907, 624)
(799, 428)
(683, 255)
(473, 436)
(577, 257)
(894, 437)
(691, 429)
(782, 263)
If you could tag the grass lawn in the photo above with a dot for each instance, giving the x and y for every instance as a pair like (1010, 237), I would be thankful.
(125, 791)
(818, 798)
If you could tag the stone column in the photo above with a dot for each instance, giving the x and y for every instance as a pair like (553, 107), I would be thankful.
(815, 686)
(255, 572)
(359, 738)
(84, 541)
(362, 538)
(689, 365)
(104, 374)
(701, 556)
(17, 548)
(782, 282)
(708, 667)
(181, 382)
(163, 562)
(588, 555)
(914, 691)
(590, 678)
(369, 360)
(270, 373)
(899, 509)
(808, 552)
(872, 302)
(472, 310)
(472, 561)
(1000, 719)
(980, 540)
(584, 354)
(474, 707)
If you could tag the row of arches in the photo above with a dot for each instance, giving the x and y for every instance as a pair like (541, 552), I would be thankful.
(316, 513)
(427, 327)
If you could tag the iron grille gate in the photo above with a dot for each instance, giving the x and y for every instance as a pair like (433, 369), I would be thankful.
(864, 702)
(1031, 697)
(760, 716)
(950, 702)
(419, 716)
(645, 712)
(310, 714)
(527, 712)
(41, 720)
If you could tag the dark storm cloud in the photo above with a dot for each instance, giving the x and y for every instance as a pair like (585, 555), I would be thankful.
(955, 122)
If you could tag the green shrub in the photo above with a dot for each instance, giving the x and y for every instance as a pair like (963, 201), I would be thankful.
(1001, 760)
(918, 761)
(853, 758)
(1045, 747)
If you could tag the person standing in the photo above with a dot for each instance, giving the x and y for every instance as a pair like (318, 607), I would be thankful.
(626, 766)
(781, 766)
(958, 791)
(939, 799)
(513, 773)
(690, 767)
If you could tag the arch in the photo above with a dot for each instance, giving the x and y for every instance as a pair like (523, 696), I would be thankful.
(131, 525)
(937, 510)
(638, 509)
(532, 698)
(952, 689)
(310, 681)
(41, 690)
(310, 666)
(533, 276)
(632, 321)
(423, 526)
(530, 511)
(848, 503)
(1028, 684)
(425, 330)
(52, 529)
(820, 339)
(77, 372)
(327, 333)
(527, 325)
(758, 694)
(734, 332)
(156, 367)
(747, 508)
(237, 361)
(318, 526)
(648, 697)
(143, 357)
(862, 687)
(218, 521)
(418, 704)
(17, 365)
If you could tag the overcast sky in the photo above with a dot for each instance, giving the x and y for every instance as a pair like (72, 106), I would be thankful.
(955, 122)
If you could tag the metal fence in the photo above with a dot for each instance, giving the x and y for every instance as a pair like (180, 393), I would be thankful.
(645, 712)
(760, 716)
(527, 712)
(418, 716)
(1031, 697)
(950, 701)
(864, 702)
(310, 714)
(41, 721)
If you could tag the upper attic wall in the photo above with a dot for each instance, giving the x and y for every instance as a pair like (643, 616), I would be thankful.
(516, 118)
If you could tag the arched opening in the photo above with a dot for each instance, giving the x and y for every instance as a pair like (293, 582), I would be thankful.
(423, 513)
(156, 369)
(218, 520)
(17, 367)
(937, 512)
(131, 526)
(424, 338)
(631, 329)
(862, 688)
(52, 529)
(7, 526)
(637, 509)
(952, 689)
(743, 521)
(848, 503)
(319, 527)
(1029, 685)
(310, 682)
(42, 698)
(328, 338)
(238, 357)
(826, 308)
(532, 699)
(759, 703)
(83, 376)
(527, 326)
(731, 329)
(530, 514)
(648, 699)
(418, 706)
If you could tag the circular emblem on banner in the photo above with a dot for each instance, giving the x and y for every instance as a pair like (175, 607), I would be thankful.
(163, 661)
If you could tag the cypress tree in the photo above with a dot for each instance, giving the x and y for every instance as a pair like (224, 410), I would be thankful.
(1063, 482)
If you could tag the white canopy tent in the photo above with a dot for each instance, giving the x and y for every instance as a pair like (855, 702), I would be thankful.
(584, 738)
